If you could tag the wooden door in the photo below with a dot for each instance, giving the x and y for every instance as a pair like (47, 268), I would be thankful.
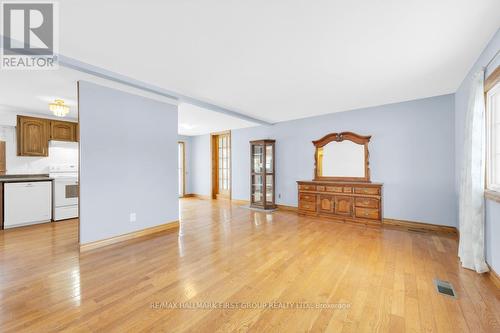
(326, 204)
(32, 136)
(221, 165)
(62, 130)
(343, 205)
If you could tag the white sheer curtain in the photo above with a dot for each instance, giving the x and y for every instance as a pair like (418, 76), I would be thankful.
(471, 212)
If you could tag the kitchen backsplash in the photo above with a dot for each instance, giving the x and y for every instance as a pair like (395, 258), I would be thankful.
(59, 153)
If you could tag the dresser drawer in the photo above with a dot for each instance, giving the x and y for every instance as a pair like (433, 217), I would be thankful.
(307, 187)
(347, 190)
(306, 205)
(307, 197)
(367, 202)
(334, 189)
(367, 213)
(367, 190)
(320, 188)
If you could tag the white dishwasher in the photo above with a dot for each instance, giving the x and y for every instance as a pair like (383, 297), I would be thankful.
(27, 203)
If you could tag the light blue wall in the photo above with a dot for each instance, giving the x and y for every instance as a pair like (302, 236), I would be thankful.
(416, 151)
(411, 152)
(129, 169)
(492, 233)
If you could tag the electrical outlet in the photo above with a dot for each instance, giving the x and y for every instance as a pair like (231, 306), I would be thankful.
(133, 217)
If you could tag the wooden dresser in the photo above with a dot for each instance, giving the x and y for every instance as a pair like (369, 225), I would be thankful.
(359, 202)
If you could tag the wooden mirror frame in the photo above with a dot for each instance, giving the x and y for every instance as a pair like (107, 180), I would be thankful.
(339, 137)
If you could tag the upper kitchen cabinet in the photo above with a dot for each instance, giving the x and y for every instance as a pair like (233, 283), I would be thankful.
(63, 130)
(32, 136)
(3, 160)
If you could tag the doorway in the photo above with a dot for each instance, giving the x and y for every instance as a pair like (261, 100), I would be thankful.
(181, 167)
(221, 165)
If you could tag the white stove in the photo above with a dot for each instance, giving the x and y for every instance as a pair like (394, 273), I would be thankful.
(65, 191)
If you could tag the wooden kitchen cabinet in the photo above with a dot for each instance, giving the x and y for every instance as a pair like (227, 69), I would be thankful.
(3, 160)
(32, 136)
(63, 130)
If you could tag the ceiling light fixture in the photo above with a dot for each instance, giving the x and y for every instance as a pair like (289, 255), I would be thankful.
(58, 108)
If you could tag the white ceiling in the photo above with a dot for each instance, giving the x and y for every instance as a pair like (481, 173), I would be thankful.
(284, 59)
(194, 120)
(272, 60)
(30, 92)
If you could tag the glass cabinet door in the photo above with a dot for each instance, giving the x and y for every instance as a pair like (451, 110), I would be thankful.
(269, 174)
(257, 178)
(257, 188)
(269, 189)
(262, 174)
(257, 158)
(269, 159)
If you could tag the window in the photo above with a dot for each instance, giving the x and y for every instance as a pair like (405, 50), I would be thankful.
(493, 138)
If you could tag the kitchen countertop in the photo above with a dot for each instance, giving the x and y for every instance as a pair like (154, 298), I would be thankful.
(24, 178)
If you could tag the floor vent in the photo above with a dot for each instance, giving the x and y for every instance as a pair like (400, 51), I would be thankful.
(417, 230)
(445, 288)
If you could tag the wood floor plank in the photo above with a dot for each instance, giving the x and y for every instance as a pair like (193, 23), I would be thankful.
(379, 279)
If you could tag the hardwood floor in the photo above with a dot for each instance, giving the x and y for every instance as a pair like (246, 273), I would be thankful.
(379, 280)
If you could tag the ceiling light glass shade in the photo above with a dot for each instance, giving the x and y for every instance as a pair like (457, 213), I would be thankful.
(58, 108)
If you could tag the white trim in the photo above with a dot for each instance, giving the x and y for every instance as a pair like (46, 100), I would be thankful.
(491, 121)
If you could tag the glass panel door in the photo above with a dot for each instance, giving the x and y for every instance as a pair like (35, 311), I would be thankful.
(221, 165)
(180, 168)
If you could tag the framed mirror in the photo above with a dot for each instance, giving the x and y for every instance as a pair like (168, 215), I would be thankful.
(342, 157)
